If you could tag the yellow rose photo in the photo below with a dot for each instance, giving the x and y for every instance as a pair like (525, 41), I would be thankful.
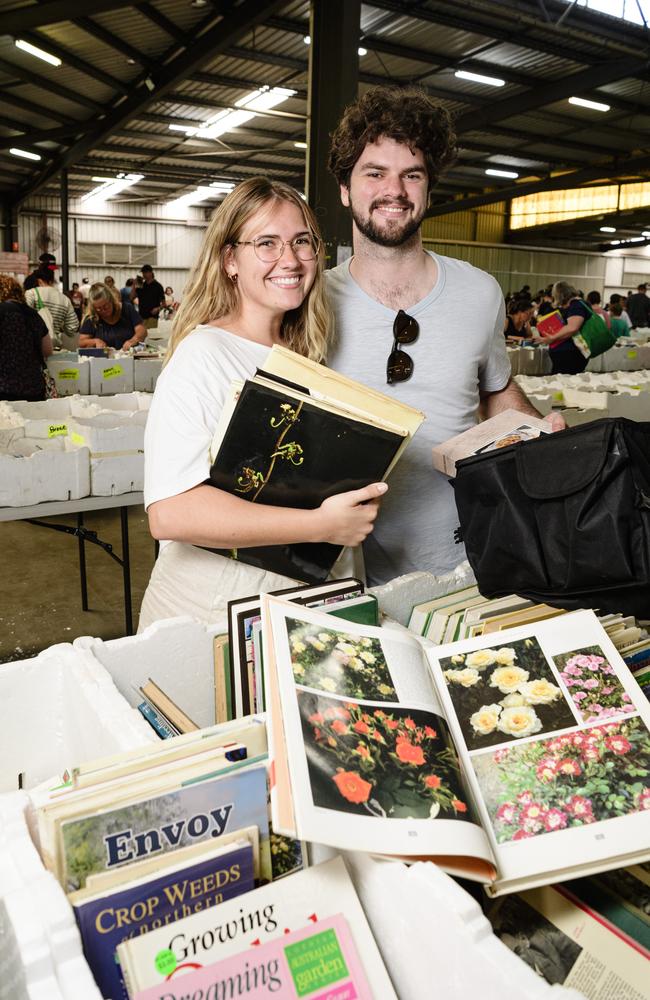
(503, 693)
(336, 662)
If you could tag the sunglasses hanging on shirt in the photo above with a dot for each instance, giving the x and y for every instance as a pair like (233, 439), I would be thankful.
(400, 365)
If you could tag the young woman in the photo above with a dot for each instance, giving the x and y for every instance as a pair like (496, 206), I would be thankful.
(258, 282)
(24, 345)
(110, 322)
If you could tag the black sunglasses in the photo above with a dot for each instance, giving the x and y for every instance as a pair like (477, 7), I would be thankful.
(399, 366)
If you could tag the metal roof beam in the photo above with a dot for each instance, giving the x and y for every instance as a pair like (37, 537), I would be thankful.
(158, 18)
(46, 135)
(243, 131)
(72, 60)
(207, 46)
(546, 93)
(43, 112)
(113, 42)
(608, 170)
(19, 19)
(43, 83)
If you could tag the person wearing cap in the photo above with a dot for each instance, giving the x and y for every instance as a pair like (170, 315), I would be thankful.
(151, 298)
(65, 325)
(638, 307)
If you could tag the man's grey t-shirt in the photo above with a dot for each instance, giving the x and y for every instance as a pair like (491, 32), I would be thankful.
(459, 352)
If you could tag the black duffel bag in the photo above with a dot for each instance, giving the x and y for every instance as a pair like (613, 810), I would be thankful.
(564, 519)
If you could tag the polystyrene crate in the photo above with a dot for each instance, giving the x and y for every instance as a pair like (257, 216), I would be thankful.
(32, 474)
(123, 402)
(116, 442)
(45, 419)
(109, 376)
(71, 376)
(146, 372)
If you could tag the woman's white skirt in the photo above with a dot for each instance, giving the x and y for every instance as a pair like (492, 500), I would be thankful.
(187, 580)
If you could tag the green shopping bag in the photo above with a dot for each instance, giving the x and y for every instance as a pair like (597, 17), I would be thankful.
(594, 337)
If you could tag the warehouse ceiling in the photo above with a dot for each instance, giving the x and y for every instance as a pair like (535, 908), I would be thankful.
(129, 71)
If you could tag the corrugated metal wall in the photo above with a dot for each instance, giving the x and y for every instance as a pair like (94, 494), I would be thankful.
(177, 242)
(483, 225)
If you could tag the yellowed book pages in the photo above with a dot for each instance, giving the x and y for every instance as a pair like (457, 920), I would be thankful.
(528, 615)
(220, 690)
(169, 708)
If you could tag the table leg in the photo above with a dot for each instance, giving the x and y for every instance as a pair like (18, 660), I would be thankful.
(82, 563)
(126, 570)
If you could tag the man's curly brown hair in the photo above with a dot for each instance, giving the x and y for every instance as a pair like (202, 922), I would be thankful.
(10, 290)
(407, 115)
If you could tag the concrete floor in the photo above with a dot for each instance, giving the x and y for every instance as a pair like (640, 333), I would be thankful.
(40, 596)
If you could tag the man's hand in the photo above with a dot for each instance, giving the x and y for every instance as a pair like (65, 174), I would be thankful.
(557, 422)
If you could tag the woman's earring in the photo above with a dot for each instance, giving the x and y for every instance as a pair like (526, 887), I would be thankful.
(233, 278)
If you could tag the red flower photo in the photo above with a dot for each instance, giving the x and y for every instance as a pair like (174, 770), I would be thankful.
(374, 761)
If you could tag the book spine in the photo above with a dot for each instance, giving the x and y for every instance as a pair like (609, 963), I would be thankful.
(157, 721)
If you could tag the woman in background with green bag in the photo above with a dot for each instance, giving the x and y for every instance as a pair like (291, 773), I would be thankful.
(566, 359)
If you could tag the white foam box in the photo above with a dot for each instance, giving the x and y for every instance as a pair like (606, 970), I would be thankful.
(109, 376)
(31, 474)
(45, 419)
(116, 443)
(71, 375)
(127, 402)
(588, 398)
(146, 371)
(574, 416)
(630, 404)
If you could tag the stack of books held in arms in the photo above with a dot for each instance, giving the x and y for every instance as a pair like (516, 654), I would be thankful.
(296, 434)
(171, 867)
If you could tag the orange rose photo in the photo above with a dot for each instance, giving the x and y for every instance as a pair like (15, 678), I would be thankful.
(372, 760)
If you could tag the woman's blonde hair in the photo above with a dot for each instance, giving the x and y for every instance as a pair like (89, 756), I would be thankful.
(563, 292)
(211, 294)
(107, 294)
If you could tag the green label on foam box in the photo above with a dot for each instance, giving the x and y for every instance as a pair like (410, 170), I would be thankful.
(113, 372)
(57, 430)
(77, 438)
(71, 373)
(631, 354)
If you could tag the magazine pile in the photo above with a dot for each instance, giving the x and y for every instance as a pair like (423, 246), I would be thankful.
(516, 758)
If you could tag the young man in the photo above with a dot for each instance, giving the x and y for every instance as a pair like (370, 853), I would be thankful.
(151, 297)
(425, 327)
(638, 307)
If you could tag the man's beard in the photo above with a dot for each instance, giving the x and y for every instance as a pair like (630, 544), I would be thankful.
(389, 237)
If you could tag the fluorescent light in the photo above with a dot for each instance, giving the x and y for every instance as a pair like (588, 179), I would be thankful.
(636, 239)
(614, 243)
(111, 186)
(247, 107)
(103, 180)
(646, 234)
(300, 145)
(188, 129)
(361, 51)
(607, 229)
(24, 153)
(582, 102)
(201, 193)
(222, 187)
(501, 173)
(307, 39)
(33, 50)
(491, 81)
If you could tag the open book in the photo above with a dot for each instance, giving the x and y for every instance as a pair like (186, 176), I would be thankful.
(296, 434)
(516, 762)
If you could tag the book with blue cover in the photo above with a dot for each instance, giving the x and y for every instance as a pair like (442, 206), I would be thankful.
(134, 908)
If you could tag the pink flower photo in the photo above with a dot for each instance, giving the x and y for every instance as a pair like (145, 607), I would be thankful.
(595, 689)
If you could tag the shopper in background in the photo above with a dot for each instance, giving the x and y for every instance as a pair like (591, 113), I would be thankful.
(565, 357)
(248, 291)
(76, 297)
(616, 321)
(85, 288)
(65, 325)
(545, 306)
(125, 293)
(638, 307)
(24, 345)
(109, 281)
(615, 300)
(517, 324)
(593, 299)
(110, 322)
(171, 305)
(151, 298)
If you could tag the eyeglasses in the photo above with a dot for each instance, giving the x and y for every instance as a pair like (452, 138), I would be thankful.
(399, 366)
(270, 248)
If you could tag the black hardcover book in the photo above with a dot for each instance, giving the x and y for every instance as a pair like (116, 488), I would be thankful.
(289, 452)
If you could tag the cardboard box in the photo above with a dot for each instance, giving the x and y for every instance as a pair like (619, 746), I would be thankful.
(509, 427)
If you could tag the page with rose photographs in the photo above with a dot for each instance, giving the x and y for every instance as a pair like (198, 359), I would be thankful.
(363, 758)
(556, 733)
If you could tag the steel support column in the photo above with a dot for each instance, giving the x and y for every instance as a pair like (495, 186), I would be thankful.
(65, 253)
(333, 82)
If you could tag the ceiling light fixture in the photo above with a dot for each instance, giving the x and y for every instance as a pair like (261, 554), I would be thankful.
(361, 51)
(307, 39)
(636, 239)
(607, 229)
(201, 193)
(614, 243)
(246, 108)
(111, 186)
(493, 172)
(24, 153)
(582, 102)
(646, 234)
(300, 145)
(491, 81)
(33, 50)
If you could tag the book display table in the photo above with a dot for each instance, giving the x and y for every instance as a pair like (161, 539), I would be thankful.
(432, 936)
(35, 513)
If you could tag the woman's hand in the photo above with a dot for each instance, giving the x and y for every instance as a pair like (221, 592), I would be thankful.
(348, 518)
